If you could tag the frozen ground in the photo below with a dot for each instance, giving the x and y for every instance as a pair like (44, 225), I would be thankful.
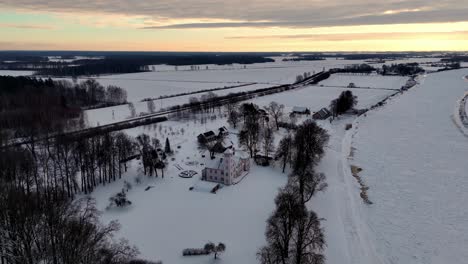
(15, 73)
(168, 218)
(166, 80)
(316, 97)
(113, 114)
(414, 160)
(365, 81)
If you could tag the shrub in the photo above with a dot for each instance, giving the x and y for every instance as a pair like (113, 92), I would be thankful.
(119, 200)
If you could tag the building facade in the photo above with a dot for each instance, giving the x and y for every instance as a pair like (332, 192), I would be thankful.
(227, 169)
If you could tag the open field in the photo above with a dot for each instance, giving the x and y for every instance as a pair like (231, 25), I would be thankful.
(15, 73)
(168, 218)
(316, 97)
(365, 81)
(414, 161)
(169, 81)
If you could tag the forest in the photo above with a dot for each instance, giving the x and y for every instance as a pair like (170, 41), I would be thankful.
(31, 106)
(117, 62)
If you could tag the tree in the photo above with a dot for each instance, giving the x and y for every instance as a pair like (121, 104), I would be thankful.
(151, 106)
(167, 147)
(293, 233)
(248, 137)
(216, 249)
(308, 239)
(268, 139)
(281, 224)
(343, 103)
(284, 151)
(132, 109)
(233, 118)
(309, 143)
(276, 111)
(146, 153)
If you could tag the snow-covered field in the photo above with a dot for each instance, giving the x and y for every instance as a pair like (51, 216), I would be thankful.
(121, 112)
(414, 160)
(316, 97)
(365, 81)
(15, 73)
(169, 81)
(168, 218)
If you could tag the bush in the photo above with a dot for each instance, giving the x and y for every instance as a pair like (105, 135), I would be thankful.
(119, 200)
(195, 252)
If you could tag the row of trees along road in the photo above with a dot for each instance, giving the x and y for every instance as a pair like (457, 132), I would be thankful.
(293, 233)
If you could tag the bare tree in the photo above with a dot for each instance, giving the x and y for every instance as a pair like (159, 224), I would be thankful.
(151, 106)
(293, 233)
(268, 139)
(132, 109)
(216, 249)
(249, 135)
(309, 144)
(276, 111)
(308, 239)
(233, 118)
(284, 151)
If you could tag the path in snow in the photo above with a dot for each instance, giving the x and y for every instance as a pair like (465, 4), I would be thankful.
(415, 163)
(347, 235)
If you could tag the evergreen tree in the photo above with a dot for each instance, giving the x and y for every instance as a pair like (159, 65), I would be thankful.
(167, 148)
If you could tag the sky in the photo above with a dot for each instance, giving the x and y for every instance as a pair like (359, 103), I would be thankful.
(234, 25)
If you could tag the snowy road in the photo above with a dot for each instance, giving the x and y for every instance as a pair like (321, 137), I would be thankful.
(415, 162)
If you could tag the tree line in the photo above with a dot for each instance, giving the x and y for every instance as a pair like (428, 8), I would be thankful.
(131, 63)
(40, 219)
(29, 105)
(293, 232)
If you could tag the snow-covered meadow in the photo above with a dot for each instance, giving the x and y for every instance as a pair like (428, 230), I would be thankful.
(412, 155)
(165, 80)
(365, 81)
(414, 160)
(15, 73)
(169, 218)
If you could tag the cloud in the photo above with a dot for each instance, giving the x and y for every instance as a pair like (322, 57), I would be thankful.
(457, 35)
(259, 13)
(26, 26)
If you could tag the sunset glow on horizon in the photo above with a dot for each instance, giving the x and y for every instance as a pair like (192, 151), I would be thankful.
(241, 26)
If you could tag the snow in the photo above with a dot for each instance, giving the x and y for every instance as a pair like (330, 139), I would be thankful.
(169, 218)
(15, 73)
(316, 97)
(414, 161)
(365, 81)
(412, 154)
(166, 80)
(121, 112)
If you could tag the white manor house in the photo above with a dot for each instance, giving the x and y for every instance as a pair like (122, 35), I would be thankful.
(227, 169)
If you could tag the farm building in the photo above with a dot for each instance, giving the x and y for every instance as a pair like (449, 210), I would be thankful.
(206, 137)
(300, 110)
(324, 113)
